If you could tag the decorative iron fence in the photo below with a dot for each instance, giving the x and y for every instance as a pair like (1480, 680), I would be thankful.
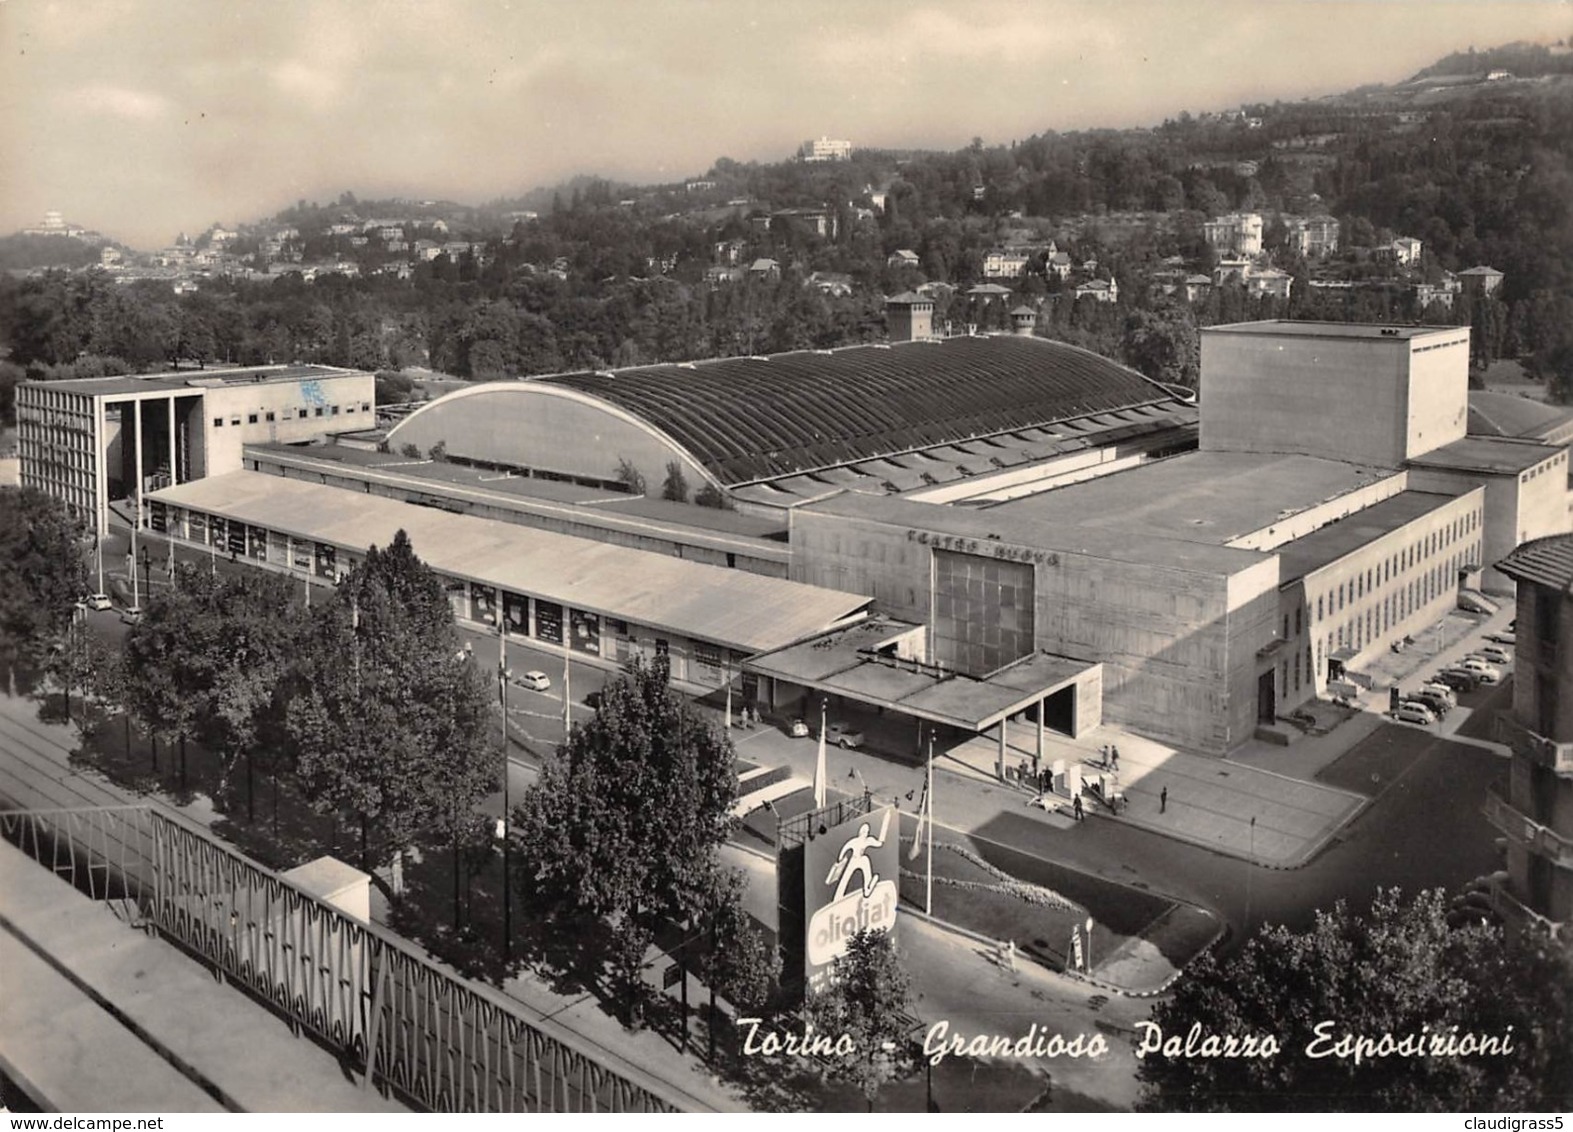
(441, 1042)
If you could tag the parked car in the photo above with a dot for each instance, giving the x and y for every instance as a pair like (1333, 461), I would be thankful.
(1459, 679)
(1438, 704)
(1507, 638)
(1442, 690)
(1493, 654)
(1487, 672)
(798, 730)
(1413, 711)
(535, 680)
(844, 735)
(98, 601)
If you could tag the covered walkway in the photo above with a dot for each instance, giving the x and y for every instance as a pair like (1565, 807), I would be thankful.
(875, 662)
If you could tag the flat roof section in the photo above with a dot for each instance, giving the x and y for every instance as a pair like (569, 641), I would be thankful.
(846, 662)
(1288, 328)
(193, 380)
(535, 487)
(744, 611)
(1207, 497)
(1495, 455)
(1330, 543)
(990, 525)
(465, 484)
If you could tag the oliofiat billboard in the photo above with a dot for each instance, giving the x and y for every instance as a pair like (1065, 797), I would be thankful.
(852, 872)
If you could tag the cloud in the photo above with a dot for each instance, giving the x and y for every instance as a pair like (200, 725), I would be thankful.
(117, 102)
(305, 81)
(1008, 37)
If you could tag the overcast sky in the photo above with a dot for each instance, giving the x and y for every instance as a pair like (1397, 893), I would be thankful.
(142, 118)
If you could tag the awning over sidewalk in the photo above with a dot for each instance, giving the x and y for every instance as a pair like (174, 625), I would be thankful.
(861, 662)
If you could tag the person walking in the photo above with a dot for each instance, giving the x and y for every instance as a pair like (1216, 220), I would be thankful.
(1163, 800)
(1076, 807)
(1114, 760)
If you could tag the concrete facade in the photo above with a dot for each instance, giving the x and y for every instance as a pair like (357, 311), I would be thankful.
(1536, 810)
(1388, 588)
(1177, 633)
(1366, 395)
(89, 441)
(1520, 505)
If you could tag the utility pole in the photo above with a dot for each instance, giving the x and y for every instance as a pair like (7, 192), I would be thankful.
(136, 519)
(507, 809)
(567, 677)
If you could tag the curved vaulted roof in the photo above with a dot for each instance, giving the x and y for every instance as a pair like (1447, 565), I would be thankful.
(749, 419)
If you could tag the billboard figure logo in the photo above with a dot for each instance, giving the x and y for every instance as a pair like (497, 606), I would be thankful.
(853, 859)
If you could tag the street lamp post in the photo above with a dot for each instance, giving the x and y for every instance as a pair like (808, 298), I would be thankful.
(1250, 867)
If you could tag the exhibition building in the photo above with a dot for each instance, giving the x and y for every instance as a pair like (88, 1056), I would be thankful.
(962, 530)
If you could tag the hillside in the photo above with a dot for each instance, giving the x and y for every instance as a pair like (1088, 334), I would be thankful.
(1368, 205)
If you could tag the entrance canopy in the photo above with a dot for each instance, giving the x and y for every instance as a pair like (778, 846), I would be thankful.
(864, 662)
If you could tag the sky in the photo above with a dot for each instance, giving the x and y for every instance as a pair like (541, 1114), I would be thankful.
(145, 118)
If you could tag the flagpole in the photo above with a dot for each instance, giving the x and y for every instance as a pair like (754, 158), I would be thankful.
(928, 888)
(819, 765)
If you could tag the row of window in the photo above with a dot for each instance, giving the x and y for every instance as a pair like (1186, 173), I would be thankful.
(1366, 583)
(1548, 466)
(300, 414)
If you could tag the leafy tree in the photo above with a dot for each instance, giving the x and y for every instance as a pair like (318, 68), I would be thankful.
(624, 825)
(740, 964)
(43, 573)
(675, 486)
(1401, 970)
(630, 476)
(262, 630)
(390, 729)
(711, 496)
(867, 1001)
(171, 657)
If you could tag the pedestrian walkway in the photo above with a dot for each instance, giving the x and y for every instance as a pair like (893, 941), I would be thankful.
(225, 1046)
(1211, 801)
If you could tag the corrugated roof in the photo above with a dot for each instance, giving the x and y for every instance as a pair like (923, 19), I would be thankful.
(749, 419)
(744, 611)
(1543, 562)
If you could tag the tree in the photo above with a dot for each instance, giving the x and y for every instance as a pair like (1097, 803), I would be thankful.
(739, 964)
(675, 486)
(630, 476)
(866, 1001)
(43, 573)
(624, 825)
(261, 633)
(392, 724)
(1400, 971)
(172, 654)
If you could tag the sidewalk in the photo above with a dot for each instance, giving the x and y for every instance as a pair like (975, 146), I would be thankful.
(1211, 800)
